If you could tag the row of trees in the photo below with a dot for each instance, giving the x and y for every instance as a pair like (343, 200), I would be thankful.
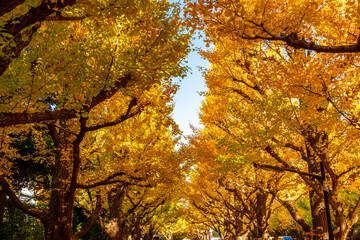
(283, 90)
(85, 114)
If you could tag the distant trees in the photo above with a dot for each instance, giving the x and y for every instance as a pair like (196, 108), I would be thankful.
(283, 89)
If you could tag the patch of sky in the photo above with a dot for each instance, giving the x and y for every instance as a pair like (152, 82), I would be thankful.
(188, 98)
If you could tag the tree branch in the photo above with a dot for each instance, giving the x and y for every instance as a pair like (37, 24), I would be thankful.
(109, 180)
(121, 119)
(294, 41)
(293, 213)
(59, 17)
(40, 214)
(102, 182)
(285, 164)
(9, 5)
(354, 216)
(92, 219)
(18, 27)
(12, 119)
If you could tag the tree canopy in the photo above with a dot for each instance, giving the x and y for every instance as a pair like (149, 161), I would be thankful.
(86, 101)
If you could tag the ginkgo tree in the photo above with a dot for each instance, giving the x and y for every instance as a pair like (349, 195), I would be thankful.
(225, 191)
(317, 26)
(281, 103)
(298, 24)
(77, 78)
(140, 156)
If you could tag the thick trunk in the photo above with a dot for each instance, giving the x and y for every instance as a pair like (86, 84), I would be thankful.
(240, 232)
(243, 236)
(342, 224)
(150, 233)
(114, 229)
(261, 216)
(57, 230)
(59, 224)
(317, 204)
(318, 215)
(342, 235)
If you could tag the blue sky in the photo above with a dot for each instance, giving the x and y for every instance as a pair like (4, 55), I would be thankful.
(187, 99)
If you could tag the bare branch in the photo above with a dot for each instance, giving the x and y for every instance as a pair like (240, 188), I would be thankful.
(9, 5)
(92, 219)
(121, 119)
(294, 41)
(110, 180)
(11, 119)
(59, 17)
(102, 182)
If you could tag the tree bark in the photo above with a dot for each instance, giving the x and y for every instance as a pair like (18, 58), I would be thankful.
(2, 204)
(318, 215)
(116, 229)
(9, 5)
(11, 119)
(261, 219)
(59, 222)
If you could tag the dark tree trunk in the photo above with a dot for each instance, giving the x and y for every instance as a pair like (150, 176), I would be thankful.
(261, 230)
(317, 205)
(60, 222)
(116, 229)
(318, 215)
(2, 204)
(150, 233)
(9, 5)
(240, 232)
(316, 140)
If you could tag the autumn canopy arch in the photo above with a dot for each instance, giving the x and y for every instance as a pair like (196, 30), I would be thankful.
(73, 69)
(280, 70)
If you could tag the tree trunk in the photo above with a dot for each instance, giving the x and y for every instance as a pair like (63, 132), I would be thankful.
(240, 233)
(59, 223)
(317, 204)
(116, 229)
(59, 226)
(318, 214)
(150, 233)
(261, 215)
(2, 204)
(342, 224)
